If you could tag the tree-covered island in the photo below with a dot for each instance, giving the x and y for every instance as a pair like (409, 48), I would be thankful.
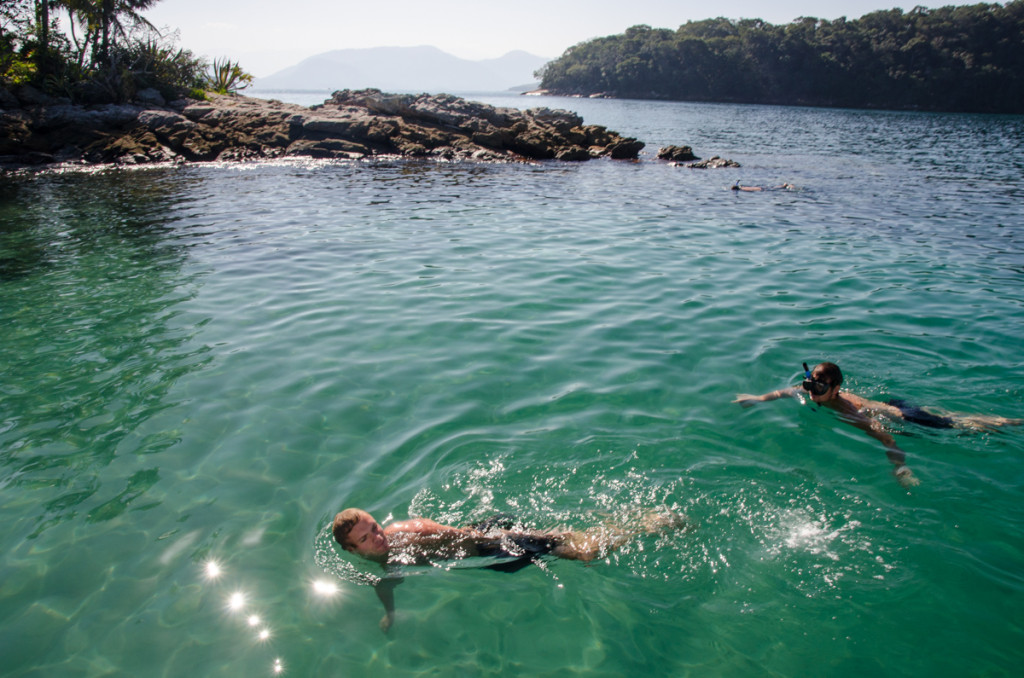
(968, 59)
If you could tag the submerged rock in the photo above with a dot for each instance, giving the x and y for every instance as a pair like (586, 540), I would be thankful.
(351, 124)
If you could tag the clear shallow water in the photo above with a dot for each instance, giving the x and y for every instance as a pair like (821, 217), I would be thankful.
(205, 363)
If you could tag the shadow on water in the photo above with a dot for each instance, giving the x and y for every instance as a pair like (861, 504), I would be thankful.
(90, 277)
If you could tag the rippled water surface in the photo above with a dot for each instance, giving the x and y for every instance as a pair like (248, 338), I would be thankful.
(203, 364)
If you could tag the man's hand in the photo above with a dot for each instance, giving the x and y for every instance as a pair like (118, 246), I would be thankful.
(748, 400)
(385, 589)
(906, 477)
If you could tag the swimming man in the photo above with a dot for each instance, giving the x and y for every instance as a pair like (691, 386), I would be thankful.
(823, 387)
(754, 189)
(421, 541)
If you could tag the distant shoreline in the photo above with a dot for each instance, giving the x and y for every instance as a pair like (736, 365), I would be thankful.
(954, 59)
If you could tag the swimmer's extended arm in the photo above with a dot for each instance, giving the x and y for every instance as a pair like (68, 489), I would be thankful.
(896, 456)
(385, 590)
(748, 400)
(423, 527)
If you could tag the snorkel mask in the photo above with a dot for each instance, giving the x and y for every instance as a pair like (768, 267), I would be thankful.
(813, 386)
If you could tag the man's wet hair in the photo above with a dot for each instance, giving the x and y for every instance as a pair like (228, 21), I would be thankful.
(343, 524)
(829, 372)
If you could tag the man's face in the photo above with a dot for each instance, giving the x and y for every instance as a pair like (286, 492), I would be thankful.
(367, 539)
(821, 390)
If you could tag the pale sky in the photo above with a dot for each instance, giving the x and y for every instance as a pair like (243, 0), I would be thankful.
(268, 36)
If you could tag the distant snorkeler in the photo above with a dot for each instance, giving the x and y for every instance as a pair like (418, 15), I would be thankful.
(500, 540)
(753, 189)
(822, 384)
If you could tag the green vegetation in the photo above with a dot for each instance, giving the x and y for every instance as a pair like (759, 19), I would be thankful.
(968, 58)
(106, 52)
(226, 77)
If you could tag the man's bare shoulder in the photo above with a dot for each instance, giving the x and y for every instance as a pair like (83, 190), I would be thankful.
(868, 406)
(422, 526)
(851, 405)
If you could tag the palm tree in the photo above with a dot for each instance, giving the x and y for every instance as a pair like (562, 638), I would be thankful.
(43, 23)
(43, 12)
(103, 19)
(112, 13)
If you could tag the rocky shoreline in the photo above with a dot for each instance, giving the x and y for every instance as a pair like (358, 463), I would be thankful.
(39, 130)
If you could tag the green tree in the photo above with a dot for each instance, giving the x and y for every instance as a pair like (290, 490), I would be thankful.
(113, 52)
(966, 58)
(104, 22)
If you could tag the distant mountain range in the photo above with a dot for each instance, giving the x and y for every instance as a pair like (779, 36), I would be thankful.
(406, 69)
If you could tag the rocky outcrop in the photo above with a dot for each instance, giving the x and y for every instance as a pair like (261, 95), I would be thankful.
(713, 162)
(676, 153)
(352, 124)
(682, 155)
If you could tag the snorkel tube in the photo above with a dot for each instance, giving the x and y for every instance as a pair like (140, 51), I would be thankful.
(808, 382)
(812, 385)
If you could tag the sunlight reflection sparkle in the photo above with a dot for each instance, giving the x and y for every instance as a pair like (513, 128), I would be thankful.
(239, 604)
(212, 569)
(325, 588)
(236, 601)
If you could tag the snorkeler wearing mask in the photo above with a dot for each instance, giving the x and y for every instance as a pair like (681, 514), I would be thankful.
(500, 542)
(822, 386)
(754, 189)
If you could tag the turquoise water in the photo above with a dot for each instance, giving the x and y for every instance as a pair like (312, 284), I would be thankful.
(204, 364)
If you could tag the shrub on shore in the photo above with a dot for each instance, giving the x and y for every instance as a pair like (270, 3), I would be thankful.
(108, 53)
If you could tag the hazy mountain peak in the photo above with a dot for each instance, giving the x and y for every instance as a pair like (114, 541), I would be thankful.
(406, 69)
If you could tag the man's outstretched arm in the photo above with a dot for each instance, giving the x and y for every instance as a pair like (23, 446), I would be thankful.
(747, 400)
(896, 456)
(385, 589)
